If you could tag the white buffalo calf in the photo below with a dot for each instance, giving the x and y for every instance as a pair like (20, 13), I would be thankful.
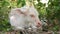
(24, 17)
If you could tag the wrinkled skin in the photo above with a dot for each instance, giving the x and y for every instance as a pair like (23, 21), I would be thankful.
(24, 17)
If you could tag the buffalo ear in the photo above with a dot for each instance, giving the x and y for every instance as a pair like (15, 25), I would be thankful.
(22, 12)
(25, 12)
(19, 11)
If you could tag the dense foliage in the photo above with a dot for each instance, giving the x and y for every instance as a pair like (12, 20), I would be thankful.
(50, 13)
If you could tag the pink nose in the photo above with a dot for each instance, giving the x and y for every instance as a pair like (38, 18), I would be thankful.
(38, 24)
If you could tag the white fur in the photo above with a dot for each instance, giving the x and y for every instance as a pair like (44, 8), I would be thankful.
(19, 21)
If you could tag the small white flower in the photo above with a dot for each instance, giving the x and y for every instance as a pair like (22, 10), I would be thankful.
(44, 1)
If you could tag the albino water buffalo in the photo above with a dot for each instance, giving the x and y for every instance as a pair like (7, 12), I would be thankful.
(24, 17)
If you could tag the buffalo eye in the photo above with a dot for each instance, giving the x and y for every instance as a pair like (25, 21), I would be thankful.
(32, 15)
